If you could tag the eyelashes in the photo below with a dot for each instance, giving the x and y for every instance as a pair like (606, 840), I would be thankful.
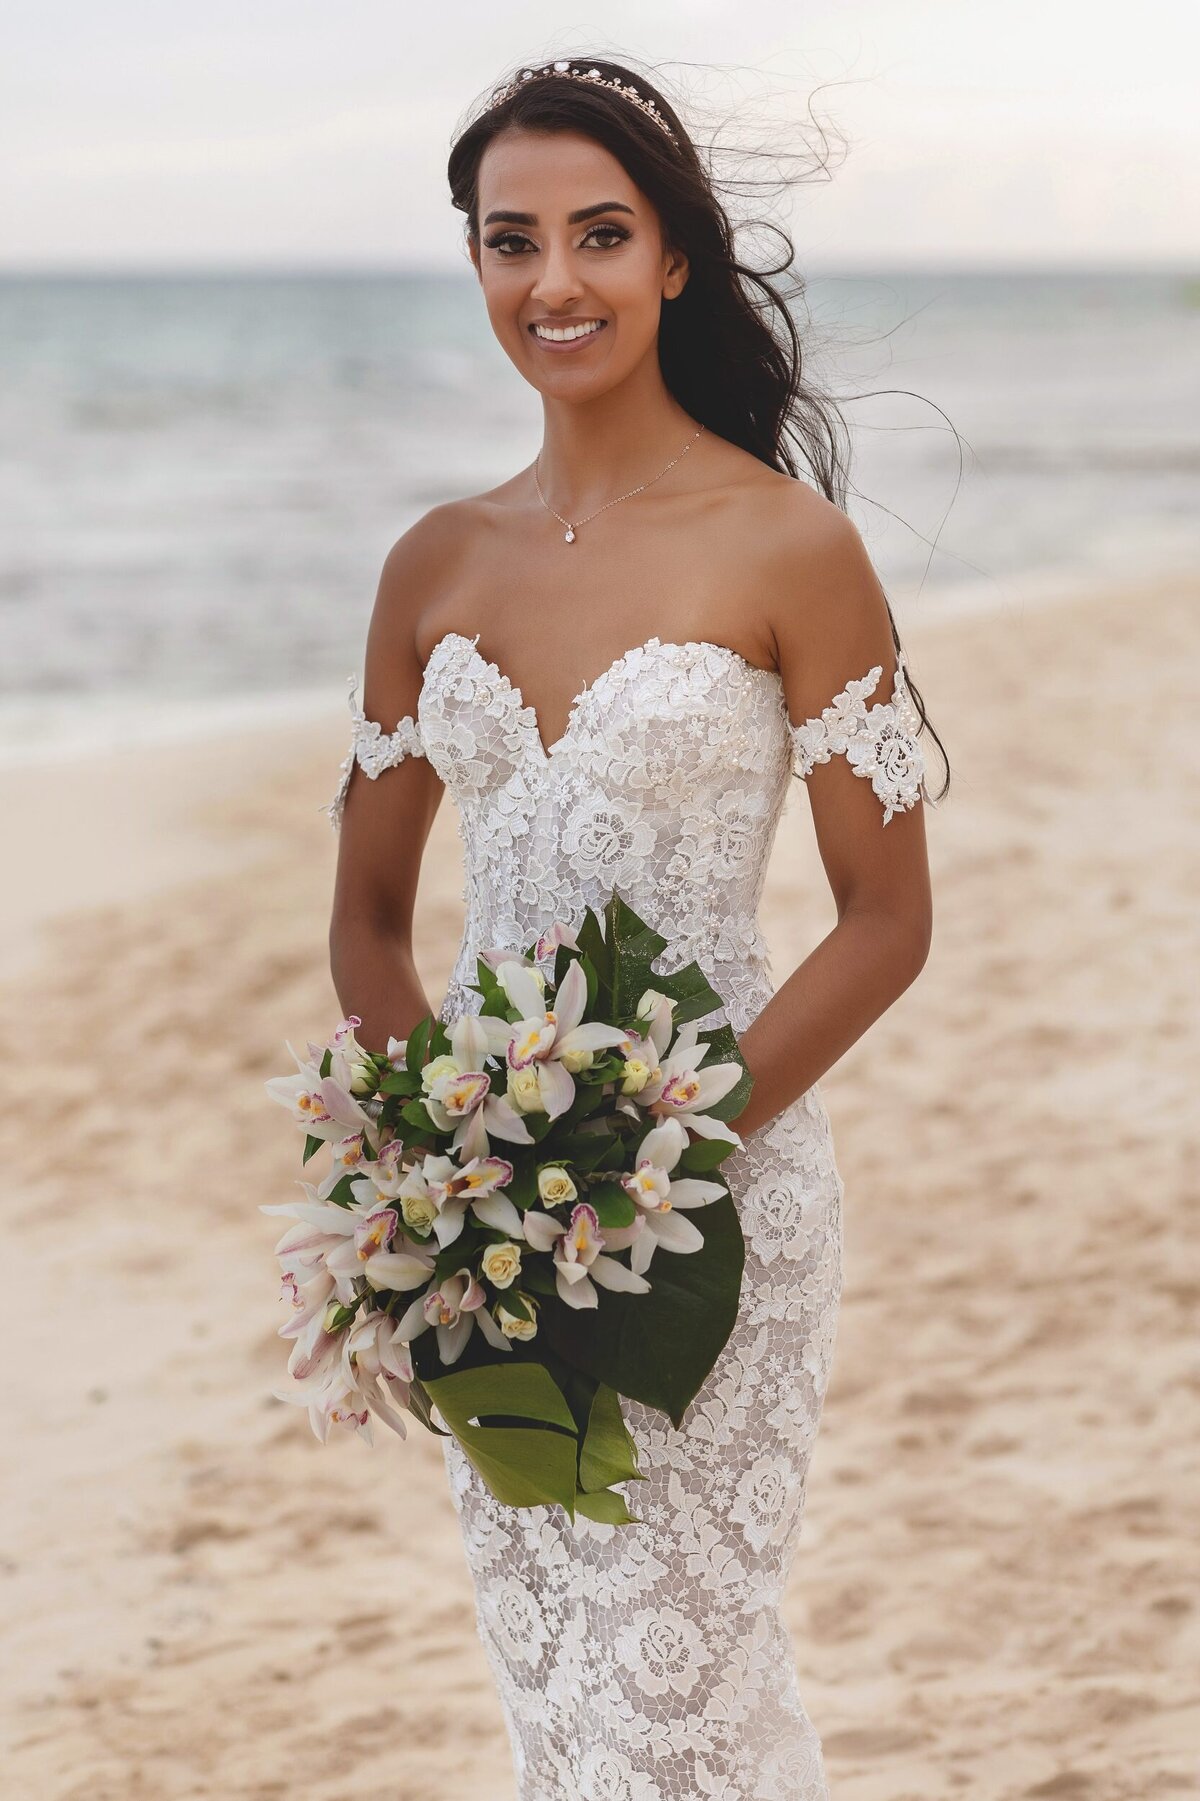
(616, 232)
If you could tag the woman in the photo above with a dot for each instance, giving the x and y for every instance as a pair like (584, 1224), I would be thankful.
(615, 661)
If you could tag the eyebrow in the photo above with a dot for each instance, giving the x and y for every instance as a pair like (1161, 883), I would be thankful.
(576, 218)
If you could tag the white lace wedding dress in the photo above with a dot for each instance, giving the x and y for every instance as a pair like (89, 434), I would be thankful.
(651, 1662)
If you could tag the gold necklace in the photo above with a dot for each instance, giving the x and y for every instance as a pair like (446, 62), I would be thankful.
(573, 526)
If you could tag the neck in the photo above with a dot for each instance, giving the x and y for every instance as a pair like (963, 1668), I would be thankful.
(593, 450)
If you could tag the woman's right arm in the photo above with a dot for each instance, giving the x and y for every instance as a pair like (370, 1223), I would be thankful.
(385, 822)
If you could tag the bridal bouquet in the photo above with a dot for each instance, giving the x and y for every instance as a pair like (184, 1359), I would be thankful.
(521, 1219)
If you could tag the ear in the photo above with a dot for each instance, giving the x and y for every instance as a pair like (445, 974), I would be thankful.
(675, 278)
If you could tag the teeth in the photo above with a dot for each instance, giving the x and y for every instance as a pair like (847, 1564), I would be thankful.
(566, 333)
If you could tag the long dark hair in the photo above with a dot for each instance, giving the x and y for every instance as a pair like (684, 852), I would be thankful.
(728, 345)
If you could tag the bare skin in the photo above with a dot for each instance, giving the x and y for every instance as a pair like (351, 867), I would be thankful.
(721, 548)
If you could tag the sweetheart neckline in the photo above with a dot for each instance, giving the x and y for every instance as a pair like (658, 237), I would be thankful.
(531, 715)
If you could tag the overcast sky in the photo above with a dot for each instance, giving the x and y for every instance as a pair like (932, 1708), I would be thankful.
(272, 134)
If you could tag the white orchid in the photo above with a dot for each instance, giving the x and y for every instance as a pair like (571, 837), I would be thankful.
(346, 1243)
(657, 1197)
(579, 1256)
(456, 1304)
(544, 1041)
(458, 1092)
(682, 1090)
(444, 1191)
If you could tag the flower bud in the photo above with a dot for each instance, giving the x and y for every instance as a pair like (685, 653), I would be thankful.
(514, 1327)
(555, 1187)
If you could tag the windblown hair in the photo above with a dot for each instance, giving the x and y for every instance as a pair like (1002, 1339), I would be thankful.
(729, 347)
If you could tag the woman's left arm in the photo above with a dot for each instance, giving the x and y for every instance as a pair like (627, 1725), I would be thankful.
(853, 736)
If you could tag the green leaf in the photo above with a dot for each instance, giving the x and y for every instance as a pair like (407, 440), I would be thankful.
(526, 1390)
(692, 992)
(311, 1147)
(607, 1454)
(420, 1405)
(613, 1206)
(635, 946)
(607, 1507)
(703, 1155)
(415, 1114)
(400, 1081)
(659, 1348)
(418, 1040)
(327, 1061)
(592, 943)
(523, 1468)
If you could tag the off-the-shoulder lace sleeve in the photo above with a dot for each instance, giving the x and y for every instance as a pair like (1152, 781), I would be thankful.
(879, 742)
(373, 749)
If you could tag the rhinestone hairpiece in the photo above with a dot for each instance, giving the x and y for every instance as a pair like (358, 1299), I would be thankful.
(592, 75)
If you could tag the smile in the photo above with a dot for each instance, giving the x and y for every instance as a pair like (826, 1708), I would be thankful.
(567, 335)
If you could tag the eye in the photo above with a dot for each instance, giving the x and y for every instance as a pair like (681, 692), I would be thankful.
(617, 232)
(505, 237)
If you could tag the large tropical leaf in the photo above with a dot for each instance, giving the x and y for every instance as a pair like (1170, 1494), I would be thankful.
(658, 1348)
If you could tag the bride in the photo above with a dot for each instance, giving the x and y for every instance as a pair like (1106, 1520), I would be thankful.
(616, 662)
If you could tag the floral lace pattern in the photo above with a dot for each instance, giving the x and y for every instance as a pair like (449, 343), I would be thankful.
(373, 749)
(880, 744)
(651, 1662)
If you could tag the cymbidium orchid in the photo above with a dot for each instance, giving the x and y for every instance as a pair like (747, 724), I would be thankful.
(682, 1090)
(656, 1196)
(453, 1306)
(451, 1188)
(458, 1092)
(579, 1256)
(546, 1040)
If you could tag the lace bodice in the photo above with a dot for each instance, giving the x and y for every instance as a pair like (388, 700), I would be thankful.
(667, 783)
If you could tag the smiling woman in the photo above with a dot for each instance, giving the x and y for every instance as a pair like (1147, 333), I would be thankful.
(637, 728)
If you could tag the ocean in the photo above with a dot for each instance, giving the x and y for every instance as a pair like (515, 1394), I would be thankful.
(203, 473)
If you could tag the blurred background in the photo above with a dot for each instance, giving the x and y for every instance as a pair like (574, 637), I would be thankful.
(241, 349)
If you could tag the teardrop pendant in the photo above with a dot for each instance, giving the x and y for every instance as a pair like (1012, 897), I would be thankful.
(570, 534)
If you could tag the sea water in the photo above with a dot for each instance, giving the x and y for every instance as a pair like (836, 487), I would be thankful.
(202, 474)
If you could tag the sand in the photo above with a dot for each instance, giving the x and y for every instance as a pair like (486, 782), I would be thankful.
(996, 1591)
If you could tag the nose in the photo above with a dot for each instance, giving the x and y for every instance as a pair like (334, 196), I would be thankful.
(558, 283)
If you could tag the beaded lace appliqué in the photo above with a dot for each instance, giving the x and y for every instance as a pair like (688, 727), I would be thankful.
(373, 749)
(879, 743)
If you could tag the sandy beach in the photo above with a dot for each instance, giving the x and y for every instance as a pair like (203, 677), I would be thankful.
(996, 1594)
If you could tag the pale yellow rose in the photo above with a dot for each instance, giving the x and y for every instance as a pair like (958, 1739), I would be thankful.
(555, 1186)
(635, 1073)
(524, 1090)
(437, 1067)
(502, 1264)
(419, 1211)
(511, 1326)
(575, 1061)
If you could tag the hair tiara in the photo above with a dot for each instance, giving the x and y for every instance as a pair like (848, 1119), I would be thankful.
(597, 80)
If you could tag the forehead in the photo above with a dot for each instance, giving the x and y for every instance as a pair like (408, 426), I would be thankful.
(550, 172)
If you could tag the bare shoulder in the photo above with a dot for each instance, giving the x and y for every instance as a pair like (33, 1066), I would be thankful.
(422, 566)
(818, 574)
